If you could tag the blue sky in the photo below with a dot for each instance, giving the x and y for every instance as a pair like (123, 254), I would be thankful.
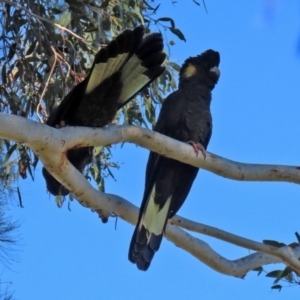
(256, 112)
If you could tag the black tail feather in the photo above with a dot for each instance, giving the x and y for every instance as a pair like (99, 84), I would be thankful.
(142, 249)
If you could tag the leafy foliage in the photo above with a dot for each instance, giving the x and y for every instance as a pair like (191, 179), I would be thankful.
(5, 293)
(48, 47)
(8, 173)
(288, 274)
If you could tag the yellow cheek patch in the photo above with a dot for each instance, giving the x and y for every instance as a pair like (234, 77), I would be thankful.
(189, 71)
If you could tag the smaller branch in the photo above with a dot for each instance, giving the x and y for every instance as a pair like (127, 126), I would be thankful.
(286, 254)
(72, 33)
(202, 251)
(223, 235)
(47, 83)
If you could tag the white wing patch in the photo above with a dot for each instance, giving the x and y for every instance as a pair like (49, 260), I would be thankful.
(131, 89)
(103, 71)
(154, 219)
(132, 78)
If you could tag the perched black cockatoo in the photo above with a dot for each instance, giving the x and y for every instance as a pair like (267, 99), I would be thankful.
(185, 116)
(120, 70)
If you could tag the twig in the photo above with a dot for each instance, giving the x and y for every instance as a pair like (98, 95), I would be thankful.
(47, 83)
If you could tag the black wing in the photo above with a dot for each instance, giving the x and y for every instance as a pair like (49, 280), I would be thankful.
(119, 72)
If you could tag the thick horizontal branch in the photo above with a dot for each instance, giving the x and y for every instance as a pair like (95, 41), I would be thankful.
(59, 140)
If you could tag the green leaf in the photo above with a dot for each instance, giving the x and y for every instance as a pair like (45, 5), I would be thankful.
(150, 111)
(35, 161)
(152, 8)
(274, 243)
(4, 74)
(56, 11)
(104, 4)
(12, 51)
(274, 274)
(297, 236)
(156, 8)
(277, 287)
(101, 185)
(33, 59)
(166, 19)
(20, 198)
(177, 32)
(287, 274)
(59, 201)
(10, 152)
(137, 10)
(111, 174)
(30, 172)
(204, 6)
(279, 274)
(7, 144)
(199, 4)
(40, 8)
(14, 103)
(259, 270)
(126, 122)
(172, 84)
(31, 47)
(94, 171)
(8, 170)
(91, 28)
(76, 8)
(97, 150)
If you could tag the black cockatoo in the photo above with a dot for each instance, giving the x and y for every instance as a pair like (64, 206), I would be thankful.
(185, 116)
(120, 70)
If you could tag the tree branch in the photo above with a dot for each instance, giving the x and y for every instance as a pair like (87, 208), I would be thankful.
(60, 140)
(51, 144)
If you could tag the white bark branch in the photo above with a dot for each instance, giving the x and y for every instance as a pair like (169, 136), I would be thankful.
(51, 144)
(53, 141)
